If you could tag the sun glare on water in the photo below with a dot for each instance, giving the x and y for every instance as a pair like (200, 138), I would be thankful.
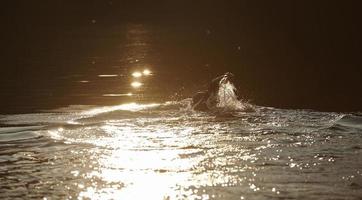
(131, 160)
(136, 166)
(137, 74)
(136, 84)
(127, 107)
(146, 72)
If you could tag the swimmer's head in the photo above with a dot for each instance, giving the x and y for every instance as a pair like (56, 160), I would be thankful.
(228, 76)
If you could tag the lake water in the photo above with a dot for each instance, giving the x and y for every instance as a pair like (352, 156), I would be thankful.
(168, 151)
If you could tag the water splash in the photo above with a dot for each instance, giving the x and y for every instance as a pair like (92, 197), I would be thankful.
(227, 100)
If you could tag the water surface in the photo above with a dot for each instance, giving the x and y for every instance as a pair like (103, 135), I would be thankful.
(169, 151)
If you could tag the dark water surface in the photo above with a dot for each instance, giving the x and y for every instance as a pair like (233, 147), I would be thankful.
(289, 60)
(168, 151)
(89, 63)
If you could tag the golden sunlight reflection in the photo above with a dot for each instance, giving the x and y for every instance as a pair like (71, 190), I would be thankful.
(146, 171)
(107, 75)
(137, 74)
(152, 157)
(127, 107)
(117, 95)
(146, 72)
(136, 84)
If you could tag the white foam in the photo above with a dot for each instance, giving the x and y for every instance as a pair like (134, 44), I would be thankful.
(227, 99)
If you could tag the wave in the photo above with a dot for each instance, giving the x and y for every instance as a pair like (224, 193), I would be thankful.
(349, 123)
(11, 134)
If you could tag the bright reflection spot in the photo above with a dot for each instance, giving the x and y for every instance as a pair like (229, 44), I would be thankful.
(146, 72)
(117, 95)
(136, 84)
(136, 74)
(128, 107)
(107, 75)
